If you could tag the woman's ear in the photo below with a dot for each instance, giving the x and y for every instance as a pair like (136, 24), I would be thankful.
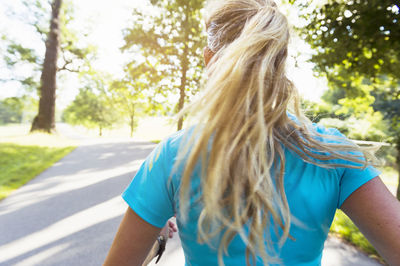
(208, 54)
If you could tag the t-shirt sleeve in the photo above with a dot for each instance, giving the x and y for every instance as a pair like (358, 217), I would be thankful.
(150, 194)
(352, 179)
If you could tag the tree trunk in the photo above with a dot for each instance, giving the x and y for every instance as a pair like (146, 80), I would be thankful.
(45, 119)
(184, 66)
(132, 121)
(182, 94)
(398, 167)
(100, 131)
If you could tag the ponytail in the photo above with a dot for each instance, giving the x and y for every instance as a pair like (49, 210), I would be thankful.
(244, 128)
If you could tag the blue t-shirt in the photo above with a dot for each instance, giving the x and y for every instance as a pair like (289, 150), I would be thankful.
(314, 193)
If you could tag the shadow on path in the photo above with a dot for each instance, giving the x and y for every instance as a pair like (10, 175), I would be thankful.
(68, 215)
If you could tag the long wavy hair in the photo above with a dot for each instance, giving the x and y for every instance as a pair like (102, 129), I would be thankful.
(244, 127)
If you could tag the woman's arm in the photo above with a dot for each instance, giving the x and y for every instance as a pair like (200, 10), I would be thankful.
(133, 241)
(376, 212)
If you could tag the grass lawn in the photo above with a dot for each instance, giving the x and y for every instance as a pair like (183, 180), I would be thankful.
(344, 228)
(23, 156)
(19, 164)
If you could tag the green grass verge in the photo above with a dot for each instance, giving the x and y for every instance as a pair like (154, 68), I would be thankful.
(21, 163)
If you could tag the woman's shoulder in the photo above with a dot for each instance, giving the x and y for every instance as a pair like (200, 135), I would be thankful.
(328, 131)
(174, 141)
(321, 132)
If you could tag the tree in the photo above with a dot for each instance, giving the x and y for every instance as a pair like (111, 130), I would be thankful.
(128, 94)
(357, 48)
(45, 119)
(59, 40)
(126, 99)
(171, 37)
(135, 93)
(17, 109)
(91, 110)
(11, 110)
(368, 30)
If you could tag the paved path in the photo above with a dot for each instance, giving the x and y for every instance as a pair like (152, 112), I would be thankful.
(69, 214)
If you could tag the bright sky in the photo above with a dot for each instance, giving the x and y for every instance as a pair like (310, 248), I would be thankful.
(105, 20)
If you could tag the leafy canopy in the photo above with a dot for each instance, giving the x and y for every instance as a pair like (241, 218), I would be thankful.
(357, 47)
(361, 36)
(170, 40)
(90, 110)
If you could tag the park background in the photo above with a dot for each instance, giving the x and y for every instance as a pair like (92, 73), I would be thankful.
(123, 69)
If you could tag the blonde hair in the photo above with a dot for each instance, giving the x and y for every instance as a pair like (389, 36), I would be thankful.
(244, 127)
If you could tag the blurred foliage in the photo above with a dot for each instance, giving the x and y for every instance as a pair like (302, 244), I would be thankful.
(353, 123)
(17, 109)
(92, 110)
(360, 36)
(387, 100)
(357, 47)
(170, 40)
(387, 157)
(11, 110)
(74, 55)
(370, 128)
(129, 95)
(325, 109)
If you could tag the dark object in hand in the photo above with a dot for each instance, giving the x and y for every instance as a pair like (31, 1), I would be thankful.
(162, 242)
(157, 250)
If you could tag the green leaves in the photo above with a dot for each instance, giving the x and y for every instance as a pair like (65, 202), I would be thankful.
(74, 56)
(361, 36)
(357, 47)
(91, 110)
(11, 110)
(17, 109)
(170, 40)
(17, 53)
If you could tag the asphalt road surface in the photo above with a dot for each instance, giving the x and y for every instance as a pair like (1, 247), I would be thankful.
(68, 215)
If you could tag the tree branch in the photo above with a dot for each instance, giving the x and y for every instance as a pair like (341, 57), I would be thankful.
(68, 69)
(66, 63)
